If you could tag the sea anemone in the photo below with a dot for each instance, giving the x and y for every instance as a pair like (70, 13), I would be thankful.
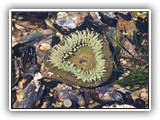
(82, 58)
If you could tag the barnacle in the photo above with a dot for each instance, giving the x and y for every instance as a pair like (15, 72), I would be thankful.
(82, 58)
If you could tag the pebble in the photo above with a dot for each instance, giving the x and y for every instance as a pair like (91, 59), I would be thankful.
(67, 103)
(125, 74)
(49, 23)
(44, 46)
(128, 87)
(57, 104)
(20, 96)
(37, 76)
(120, 78)
(117, 86)
(21, 83)
(135, 95)
(123, 62)
(144, 96)
(18, 26)
(59, 35)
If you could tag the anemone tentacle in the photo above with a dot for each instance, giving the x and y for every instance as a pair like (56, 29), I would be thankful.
(72, 44)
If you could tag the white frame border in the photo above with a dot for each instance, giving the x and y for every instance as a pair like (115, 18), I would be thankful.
(54, 10)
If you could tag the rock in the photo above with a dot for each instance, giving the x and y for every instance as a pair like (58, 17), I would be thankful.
(128, 26)
(135, 95)
(26, 98)
(144, 96)
(67, 103)
(44, 46)
(70, 19)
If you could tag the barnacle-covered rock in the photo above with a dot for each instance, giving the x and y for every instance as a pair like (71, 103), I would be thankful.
(83, 58)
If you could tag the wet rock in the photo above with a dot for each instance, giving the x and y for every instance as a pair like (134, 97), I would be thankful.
(128, 51)
(64, 92)
(67, 22)
(70, 19)
(39, 15)
(94, 105)
(27, 97)
(144, 95)
(17, 35)
(47, 102)
(140, 94)
(24, 81)
(135, 95)
(16, 70)
(108, 94)
(44, 47)
(111, 31)
(110, 21)
(29, 20)
(139, 103)
(29, 60)
(125, 15)
(109, 14)
(34, 37)
(95, 16)
(67, 103)
(55, 41)
(128, 27)
(57, 105)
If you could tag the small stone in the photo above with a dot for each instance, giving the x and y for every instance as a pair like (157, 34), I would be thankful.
(128, 87)
(42, 67)
(20, 96)
(135, 95)
(136, 86)
(21, 83)
(93, 105)
(49, 74)
(125, 74)
(59, 35)
(123, 62)
(57, 105)
(144, 96)
(49, 23)
(37, 76)
(44, 46)
(120, 78)
(67, 103)
(18, 26)
(44, 105)
(116, 86)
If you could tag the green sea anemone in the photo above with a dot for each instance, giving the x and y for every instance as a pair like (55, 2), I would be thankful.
(82, 58)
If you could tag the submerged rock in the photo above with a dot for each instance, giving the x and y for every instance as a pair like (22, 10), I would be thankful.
(70, 19)
(26, 98)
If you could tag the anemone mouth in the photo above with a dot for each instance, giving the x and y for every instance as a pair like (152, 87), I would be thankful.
(82, 58)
